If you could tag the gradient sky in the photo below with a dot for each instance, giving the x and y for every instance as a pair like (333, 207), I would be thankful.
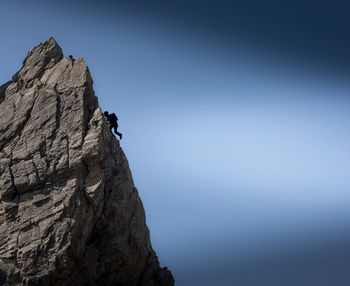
(235, 121)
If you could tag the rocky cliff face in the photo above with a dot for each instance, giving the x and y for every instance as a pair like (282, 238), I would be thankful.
(69, 211)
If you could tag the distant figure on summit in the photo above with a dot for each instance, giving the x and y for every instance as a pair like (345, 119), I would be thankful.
(71, 58)
(113, 123)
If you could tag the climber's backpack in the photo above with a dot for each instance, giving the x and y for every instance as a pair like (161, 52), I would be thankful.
(113, 119)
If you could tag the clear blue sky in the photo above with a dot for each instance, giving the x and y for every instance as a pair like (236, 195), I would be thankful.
(242, 159)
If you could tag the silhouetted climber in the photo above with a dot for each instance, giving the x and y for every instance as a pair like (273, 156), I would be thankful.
(113, 123)
(71, 58)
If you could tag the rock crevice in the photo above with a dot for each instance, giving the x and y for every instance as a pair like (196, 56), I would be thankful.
(69, 211)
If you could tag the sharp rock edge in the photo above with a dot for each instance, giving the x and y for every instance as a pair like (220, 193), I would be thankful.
(69, 211)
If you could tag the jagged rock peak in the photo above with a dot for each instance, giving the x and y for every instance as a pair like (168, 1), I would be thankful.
(40, 58)
(69, 211)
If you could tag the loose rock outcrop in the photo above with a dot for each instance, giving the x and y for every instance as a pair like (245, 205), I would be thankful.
(69, 211)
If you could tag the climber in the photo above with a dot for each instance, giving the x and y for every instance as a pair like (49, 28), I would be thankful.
(113, 123)
(71, 58)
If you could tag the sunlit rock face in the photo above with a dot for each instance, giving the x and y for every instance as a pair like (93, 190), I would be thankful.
(69, 211)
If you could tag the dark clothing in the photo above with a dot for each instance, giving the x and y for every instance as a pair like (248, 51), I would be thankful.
(113, 119)
(116, 131)
(113, 123)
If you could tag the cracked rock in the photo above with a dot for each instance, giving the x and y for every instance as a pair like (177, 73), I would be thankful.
(69, 211)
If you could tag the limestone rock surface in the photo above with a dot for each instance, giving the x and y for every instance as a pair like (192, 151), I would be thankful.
(69, 211)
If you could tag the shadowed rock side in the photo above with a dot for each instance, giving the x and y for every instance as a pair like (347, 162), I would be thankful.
(69, 211)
